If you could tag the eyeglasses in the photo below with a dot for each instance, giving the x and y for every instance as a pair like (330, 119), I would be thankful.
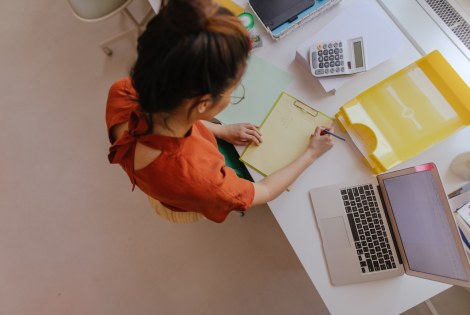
(237, 95)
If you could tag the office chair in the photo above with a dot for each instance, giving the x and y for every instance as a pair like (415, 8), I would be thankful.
(99, 10)
(173, 216)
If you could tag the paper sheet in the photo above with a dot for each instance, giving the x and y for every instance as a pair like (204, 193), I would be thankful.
(286, 133)
(382, 39)
(465, 213)
(263, 83)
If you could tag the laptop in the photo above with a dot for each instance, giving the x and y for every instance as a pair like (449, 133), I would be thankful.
(384, 226)
(280, 17)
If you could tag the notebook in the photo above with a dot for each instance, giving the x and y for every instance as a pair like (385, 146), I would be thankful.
(286, 133)
(381, 227)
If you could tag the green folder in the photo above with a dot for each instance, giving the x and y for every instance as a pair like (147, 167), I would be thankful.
(263, 83)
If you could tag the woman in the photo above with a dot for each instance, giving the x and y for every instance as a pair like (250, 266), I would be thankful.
(190, 59)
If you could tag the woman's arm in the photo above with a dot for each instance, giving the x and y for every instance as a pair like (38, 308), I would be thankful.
(237, 134)
(273, 185)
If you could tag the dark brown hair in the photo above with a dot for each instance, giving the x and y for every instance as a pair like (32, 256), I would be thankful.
(189, 49)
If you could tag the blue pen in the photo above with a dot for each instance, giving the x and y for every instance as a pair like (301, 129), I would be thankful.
(330, 133)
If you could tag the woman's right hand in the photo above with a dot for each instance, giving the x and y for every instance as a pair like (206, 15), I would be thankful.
(274, 184)
(319, 143)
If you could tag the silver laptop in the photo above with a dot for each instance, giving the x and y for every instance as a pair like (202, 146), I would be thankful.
(398, 222)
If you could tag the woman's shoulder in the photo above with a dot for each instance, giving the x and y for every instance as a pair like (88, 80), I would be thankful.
(122, 88)
(122, 100)
(122, 83)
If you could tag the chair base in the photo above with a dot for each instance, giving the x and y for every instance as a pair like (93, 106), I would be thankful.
(138, 27)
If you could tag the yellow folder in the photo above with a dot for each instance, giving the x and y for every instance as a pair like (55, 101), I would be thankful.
(407, 113)
(232, 6)
(286, 132)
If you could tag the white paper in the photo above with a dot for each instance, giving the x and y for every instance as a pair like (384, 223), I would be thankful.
(382, 38)
(458, 201)
(464, 212)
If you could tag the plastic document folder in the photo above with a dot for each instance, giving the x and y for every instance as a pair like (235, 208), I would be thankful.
(231, 6)
(407, 113)
(286, 133)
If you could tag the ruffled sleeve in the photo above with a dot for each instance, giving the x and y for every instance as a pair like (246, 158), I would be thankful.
(123, 149)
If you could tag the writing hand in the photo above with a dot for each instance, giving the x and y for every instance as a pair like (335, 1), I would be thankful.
(319, 143)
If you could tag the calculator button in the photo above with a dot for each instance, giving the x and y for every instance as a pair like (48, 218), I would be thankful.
(320, 52)
(342, 69)
(324, 46)
(342, 62)
(314, 60)
(340, 44)
(332, 70)
(326, 64)
(325, 52)
(340, 50)
(335, 45)
(341, 56)
(319, 71)
(320, 58)
(337, 69)
(336, 57)
(337, 63)
(330, 45)
(320, 65)
(330, 51)
(336, 50)
(331, 57)
(332, 64)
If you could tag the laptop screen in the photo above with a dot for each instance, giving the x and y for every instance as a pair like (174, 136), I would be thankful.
(274, 13)
(423, 226)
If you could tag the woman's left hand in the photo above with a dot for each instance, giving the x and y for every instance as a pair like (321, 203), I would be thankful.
(241, 134)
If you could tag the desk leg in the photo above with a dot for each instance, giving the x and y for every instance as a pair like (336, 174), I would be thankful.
(431, 307)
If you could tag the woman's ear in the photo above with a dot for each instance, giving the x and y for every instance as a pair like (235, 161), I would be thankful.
(204, 103)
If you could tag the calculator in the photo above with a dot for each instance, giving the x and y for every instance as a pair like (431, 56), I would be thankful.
(337, 57)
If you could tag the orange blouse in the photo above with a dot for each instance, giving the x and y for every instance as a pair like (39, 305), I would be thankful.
(189, 175)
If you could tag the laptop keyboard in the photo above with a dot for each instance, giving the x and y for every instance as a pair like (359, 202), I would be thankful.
(368, 229)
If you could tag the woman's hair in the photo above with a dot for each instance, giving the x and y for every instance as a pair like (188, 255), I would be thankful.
(189, 49)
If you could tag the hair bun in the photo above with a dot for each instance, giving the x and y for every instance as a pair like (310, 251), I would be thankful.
(186, 16)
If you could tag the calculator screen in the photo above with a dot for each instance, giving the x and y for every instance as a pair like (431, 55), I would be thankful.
(358, 58)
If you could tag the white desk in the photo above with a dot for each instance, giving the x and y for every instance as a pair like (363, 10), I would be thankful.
(293, 209)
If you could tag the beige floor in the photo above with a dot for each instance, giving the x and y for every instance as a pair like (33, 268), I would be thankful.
(74, 239)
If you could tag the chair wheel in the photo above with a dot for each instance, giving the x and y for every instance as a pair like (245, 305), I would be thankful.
(107, 51)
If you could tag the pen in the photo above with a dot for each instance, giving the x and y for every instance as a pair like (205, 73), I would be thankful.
(330, 133)
(459, 191)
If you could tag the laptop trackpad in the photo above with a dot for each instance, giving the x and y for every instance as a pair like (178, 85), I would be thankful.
(334, 233)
